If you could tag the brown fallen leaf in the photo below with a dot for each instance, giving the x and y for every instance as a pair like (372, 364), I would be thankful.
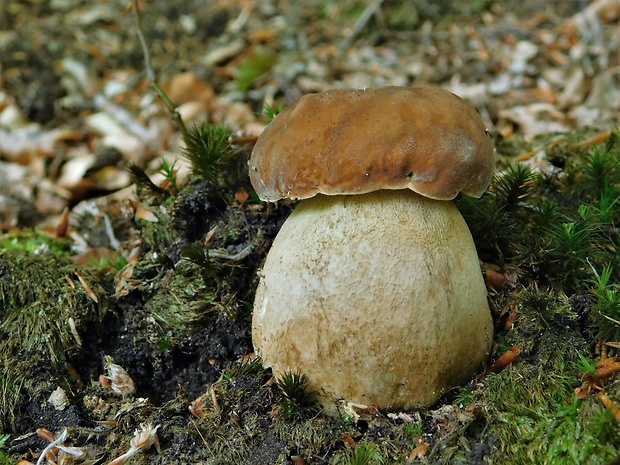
(46, 434)
(497, 281)
(63, 224)
(241, 195)
(347, 439)
(197, 407)
(598, 139)
(419, 451)
(24, 144)
(188, 87)
(145, 213)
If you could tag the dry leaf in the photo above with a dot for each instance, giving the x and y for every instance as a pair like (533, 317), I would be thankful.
(419, 451)
(145, 213)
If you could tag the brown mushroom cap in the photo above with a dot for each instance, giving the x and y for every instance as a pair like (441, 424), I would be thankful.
(349, 141)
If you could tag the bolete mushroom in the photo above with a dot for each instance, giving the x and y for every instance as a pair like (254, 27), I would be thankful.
(372, 288)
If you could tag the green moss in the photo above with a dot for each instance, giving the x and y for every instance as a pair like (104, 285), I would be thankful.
(230, 429)
(364, 453)
(607, 306)
(413, 430)
(183, 301)
(567, 434)
(158, 235)
(41, 299)
(243, 367)
(312, 436)
(557, 225)
(38, 295)
(532, 411)
(4, 457)
(169, 171)
(146, 190)
(298, 401)
(544, 307)
(271, 111)
(33, 241)
(209, 151)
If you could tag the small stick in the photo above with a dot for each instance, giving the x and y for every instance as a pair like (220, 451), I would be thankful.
(150, 74)
(598, 139)
(360, 24)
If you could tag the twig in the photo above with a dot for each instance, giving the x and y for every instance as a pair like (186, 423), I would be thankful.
(150, 74)
(598, 139)
(233, 257)
(201, 436)
(360, 24)
(239, 255)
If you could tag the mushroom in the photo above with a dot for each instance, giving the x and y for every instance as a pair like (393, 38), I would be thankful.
(372, 287)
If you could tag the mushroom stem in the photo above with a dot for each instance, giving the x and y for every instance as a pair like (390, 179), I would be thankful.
(377, 298)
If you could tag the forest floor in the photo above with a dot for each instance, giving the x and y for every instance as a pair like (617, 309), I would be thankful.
(128, 267)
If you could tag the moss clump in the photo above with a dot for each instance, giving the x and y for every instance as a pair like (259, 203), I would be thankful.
(209, 152)
(531, 407)
(229, 420)
(298, 401)
(44, 307)
(364, 453)
(310, 436)
(33, 241)
(558, 225)
(607, 305)
(183, 300)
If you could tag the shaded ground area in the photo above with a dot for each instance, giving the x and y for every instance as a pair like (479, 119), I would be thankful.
(126, 294)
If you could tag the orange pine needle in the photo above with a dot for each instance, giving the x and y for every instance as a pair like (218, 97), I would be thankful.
(87, 288)
(598, 139)
(607, 367)
(506, 359)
